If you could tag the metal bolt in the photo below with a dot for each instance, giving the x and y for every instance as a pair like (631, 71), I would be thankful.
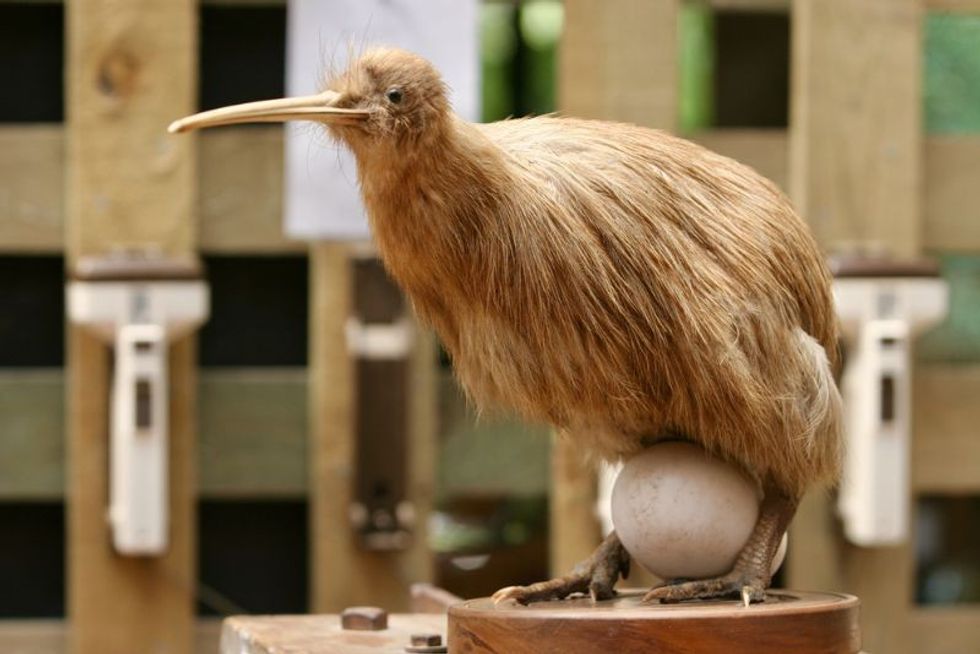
(426, 639)
(364, 618)
(426, 644)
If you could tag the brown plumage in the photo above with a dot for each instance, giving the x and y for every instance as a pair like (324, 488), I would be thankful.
(617, 282)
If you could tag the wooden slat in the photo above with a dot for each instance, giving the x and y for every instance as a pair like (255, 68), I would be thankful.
(32, 420)
(239, 207)
(598, 77)
(343, 574)
(31, 188)
(856, 121)
(813, 561)
(252, 434)
(951, 6)
(856, 176)
(954, 6)
(46, 636)
(952, 199)
(130, 68)
(255, 420)
(945, 630)
(766, 150)
(946, 441)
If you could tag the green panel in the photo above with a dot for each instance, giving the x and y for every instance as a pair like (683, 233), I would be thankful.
(32, 444)
(498, 42)
(253, 433)
(697, 63)
(952, 74)
(489, 455)
(540, 28)
(957, 339)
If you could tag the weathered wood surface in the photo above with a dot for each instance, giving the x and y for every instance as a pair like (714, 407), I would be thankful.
(255, 420)
(239, 205)
(343, 573)
(803, 623)
(598, 78)
(47, 636)
(130, 67)
(125, 604)
(856, 115)
(322, 634)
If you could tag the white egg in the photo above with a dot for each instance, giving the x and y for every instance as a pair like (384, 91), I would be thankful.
(682, 513)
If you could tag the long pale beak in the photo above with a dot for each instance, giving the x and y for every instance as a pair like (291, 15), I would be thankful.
(317, 107)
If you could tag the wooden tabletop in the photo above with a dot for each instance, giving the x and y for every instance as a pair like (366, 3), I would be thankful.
(322, 634)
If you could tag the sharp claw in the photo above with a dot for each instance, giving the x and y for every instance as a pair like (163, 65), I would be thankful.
(505, 594)
(746, 596)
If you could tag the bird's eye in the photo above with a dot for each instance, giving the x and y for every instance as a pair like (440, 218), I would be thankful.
(394, 95)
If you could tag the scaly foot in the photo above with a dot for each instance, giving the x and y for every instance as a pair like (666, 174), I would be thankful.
(750, 576)
(734, 584)
(596, 576)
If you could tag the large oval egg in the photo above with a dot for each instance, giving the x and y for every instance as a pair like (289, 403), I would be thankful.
(684, 514)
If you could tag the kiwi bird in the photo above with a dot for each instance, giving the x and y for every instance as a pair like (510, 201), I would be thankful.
(619, 283)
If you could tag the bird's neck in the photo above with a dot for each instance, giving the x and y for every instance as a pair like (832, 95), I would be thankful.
(427, 202)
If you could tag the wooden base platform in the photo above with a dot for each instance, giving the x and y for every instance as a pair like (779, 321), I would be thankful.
(788, 621)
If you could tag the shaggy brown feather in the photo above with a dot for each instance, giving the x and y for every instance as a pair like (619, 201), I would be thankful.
(617, 282)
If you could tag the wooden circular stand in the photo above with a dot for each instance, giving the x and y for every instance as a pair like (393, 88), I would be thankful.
(788, 621)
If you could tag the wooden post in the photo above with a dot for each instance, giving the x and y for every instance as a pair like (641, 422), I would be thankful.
(130, 69)
(855, 174)
(855, 133)
(343, 573)
(618, 61)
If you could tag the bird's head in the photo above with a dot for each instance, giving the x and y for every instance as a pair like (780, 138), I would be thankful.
(385, 97)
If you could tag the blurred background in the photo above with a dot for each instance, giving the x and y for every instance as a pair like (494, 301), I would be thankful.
(874, 116)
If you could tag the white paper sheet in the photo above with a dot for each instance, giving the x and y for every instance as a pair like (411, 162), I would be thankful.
(321, 195)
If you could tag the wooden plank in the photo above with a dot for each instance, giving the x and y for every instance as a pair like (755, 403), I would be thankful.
(574, 529)
(253, 433)
(322, 634)
(813, 561)
(46, 636)
(856, 107)
(946, 445)
(855, 174)
(31, 188)
(618, 61)
(32, 421)
(33, 636)
(766, 150)
(945, 630)
(344, 574)
(125, 604)
(954, 6)
(952, 169)
(130, 68)
(239, 207)
(240, 204)
(255, 420)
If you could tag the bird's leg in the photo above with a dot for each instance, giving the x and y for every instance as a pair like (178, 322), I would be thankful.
(596, 575)
(750, 576)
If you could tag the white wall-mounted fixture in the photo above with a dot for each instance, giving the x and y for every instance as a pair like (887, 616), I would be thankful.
(138, 305)
(883, 305)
